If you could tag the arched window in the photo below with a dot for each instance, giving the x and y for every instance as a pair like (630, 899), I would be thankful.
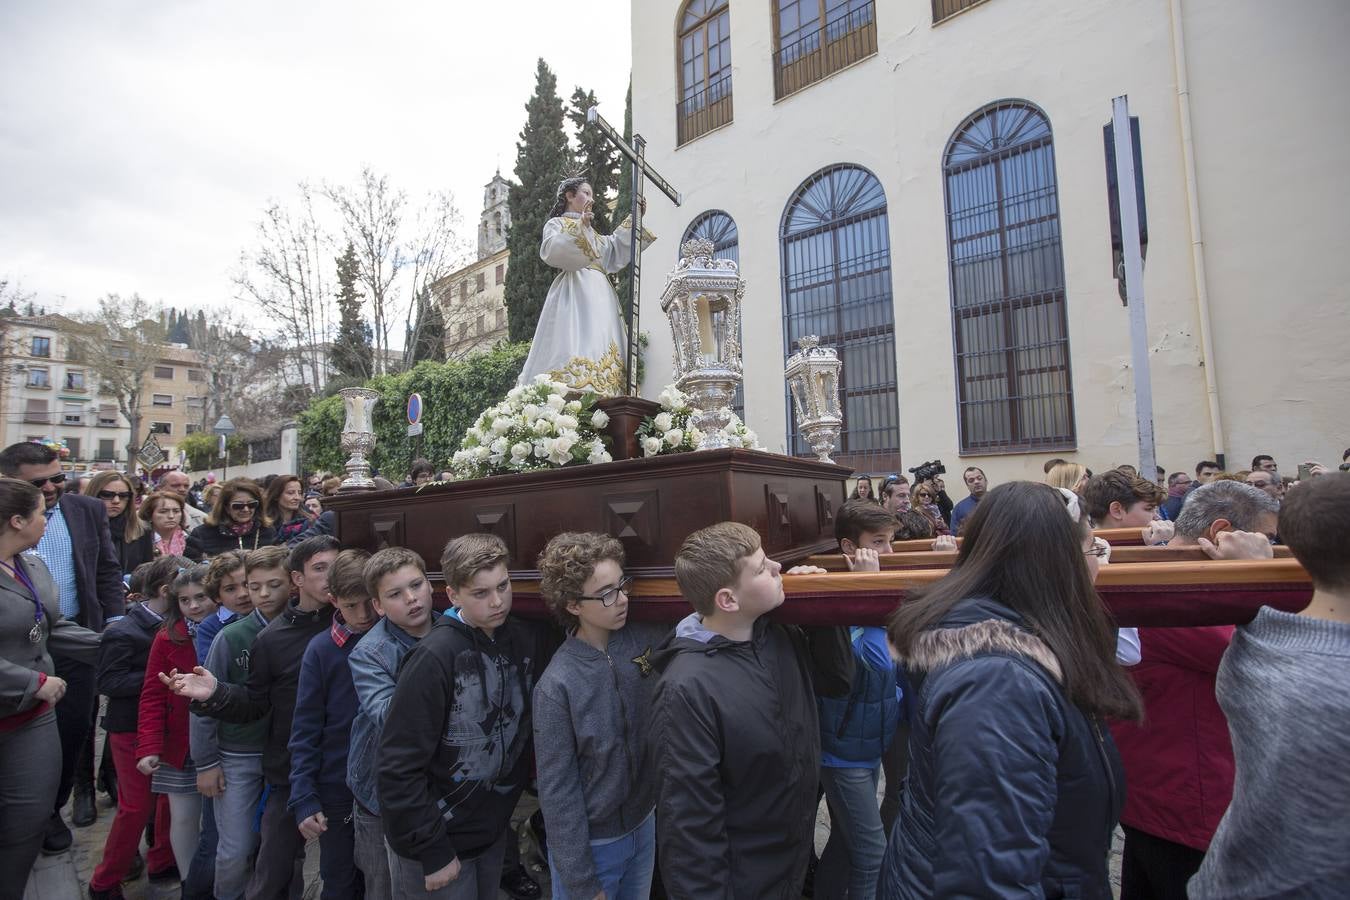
(720, 228)
(1014, 389)
(837, 284)
(705, 68)
(816, 38)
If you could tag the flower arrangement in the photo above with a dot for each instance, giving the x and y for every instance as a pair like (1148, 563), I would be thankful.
(535, 427)
(669, 431)
(57, 446)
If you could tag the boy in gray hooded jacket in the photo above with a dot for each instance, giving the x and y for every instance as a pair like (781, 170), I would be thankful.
(590, 725)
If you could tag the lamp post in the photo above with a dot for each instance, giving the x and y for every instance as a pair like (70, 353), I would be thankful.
(224, 428)
(702, 299)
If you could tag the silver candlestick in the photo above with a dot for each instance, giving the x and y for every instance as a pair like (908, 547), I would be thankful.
(358, 437)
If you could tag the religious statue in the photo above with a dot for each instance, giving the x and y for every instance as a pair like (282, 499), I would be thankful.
(580, 338)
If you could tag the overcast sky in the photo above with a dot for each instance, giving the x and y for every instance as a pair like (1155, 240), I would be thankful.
(140, 140)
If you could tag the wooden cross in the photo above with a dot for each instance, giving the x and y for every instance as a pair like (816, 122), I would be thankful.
(640, 170)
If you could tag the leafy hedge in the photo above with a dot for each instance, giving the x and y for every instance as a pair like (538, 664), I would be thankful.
(453, 394)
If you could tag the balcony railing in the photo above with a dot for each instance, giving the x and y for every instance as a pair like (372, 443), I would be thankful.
(943, 9)
(843, 41)
(704, 110)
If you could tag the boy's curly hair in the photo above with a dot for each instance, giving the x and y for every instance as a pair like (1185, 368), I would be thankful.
(221, 566)
(567, 561)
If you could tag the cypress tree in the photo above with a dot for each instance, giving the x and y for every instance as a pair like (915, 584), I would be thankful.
(624, 205)
(596, 157)
(542, 161)
(352, 354)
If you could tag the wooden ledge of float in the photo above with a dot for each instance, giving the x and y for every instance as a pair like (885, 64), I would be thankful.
(1116, 537)
(942, 559)
(1159, 594)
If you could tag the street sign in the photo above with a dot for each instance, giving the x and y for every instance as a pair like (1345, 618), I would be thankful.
(151, 453)
(414, 411)
(414, 429)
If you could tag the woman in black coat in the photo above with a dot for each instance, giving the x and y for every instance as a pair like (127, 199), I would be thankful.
(132, 538)
(1014, 783)
(237, 522)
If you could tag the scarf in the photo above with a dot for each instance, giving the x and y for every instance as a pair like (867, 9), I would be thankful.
(1178, 490)
(239, 530)
(174, 546)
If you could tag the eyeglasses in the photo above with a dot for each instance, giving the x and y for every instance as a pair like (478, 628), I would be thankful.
(611, 596)
(1100, 548)
(114, 495)
(52, 479)
(240, 507)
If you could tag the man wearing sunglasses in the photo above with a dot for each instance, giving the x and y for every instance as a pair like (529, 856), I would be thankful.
(77, 547)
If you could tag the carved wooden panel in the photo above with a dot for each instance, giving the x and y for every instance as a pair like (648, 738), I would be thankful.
(499, 519)
(824, 512)
(387, 530)
(778, 506)
(633, 518)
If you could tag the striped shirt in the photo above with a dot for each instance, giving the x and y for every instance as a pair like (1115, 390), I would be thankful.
(58, 553)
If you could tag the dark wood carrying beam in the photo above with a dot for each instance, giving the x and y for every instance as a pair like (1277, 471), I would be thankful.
(941, 559)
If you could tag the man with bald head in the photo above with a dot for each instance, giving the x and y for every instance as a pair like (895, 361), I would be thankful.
(179, 483)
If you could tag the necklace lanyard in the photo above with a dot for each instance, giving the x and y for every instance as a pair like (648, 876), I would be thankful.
(16, 570)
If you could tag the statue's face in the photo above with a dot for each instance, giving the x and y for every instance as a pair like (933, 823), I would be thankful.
(580, 201)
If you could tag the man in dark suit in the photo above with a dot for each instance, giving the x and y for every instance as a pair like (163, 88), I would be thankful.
(78, 549)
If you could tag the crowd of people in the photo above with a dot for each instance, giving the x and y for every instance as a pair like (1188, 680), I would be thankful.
(266, 686)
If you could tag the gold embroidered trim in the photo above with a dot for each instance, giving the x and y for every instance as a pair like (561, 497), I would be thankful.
(603, 375)
(573, 228)
(627, 223)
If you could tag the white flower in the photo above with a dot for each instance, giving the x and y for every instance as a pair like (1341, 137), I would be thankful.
(566, 422)
(514, 393)
(651, 446)
(500, 445)
(557, 387)
(674, 437)
(750, 439)
(530, 411)
(556, 401)
(541, 448)
(543, 379)
(520, 451)
(664, 422)
(564, 442)
(573, 406)
(481, 453)
(598, 453)
(501, 425)
(474, 434)
(541, 426)
(693, 436)
(599, 419)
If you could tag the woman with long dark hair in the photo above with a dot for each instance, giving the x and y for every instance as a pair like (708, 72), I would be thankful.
(131, 537)
(237, 521)
(863, 490)
(1014, 783)
(31, 625)
(284, 506)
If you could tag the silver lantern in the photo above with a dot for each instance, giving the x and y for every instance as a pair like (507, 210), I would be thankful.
(702, 299)
(812, 373)
(358, 437)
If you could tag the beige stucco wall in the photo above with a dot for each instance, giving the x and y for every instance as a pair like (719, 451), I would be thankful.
(1269, 198)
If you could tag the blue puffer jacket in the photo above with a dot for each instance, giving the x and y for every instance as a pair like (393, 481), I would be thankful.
(1012, 790)
(858, 728)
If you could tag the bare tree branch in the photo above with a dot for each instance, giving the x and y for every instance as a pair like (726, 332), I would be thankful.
(121, 342)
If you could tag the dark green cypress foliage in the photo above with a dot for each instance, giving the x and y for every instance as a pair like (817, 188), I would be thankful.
(352, 353)
(543, 159)
(624, 205)
(429, 342)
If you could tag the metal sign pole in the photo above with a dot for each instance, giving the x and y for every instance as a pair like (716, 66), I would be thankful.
(1134, 286)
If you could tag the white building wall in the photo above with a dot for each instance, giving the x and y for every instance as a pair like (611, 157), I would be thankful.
(894, 113)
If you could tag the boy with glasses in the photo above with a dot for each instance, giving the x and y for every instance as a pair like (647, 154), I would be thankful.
(590, 725)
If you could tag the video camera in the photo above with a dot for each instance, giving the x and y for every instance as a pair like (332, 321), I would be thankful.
(927, 471)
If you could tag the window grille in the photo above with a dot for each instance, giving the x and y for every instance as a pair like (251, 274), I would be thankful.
(705, 69)
(816, 38)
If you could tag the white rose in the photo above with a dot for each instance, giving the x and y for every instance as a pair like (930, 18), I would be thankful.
(500, 445)
(599, 419)
(515, 392)
(530, 411)
(481, 453)
(566, 422)
(598, 453)
(573, 406)
(541, 426)
(564, 442)
(556, 402)
(501, 425)
(543, 379)
(693, 435)
(651, 446)
(664, 422)
(674, 437)
(541, 448)
(558, 387)
(520, 451)
(750, 438)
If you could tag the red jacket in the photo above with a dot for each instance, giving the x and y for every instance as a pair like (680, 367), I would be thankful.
(162, 720)
(1179, 760)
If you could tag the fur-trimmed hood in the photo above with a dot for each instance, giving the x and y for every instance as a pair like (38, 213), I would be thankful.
(979, 627)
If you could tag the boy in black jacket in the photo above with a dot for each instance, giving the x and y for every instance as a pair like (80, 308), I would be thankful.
(273, 678)
(734, 725)
(454, 752)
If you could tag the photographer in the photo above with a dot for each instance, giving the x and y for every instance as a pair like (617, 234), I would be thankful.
(929, 475)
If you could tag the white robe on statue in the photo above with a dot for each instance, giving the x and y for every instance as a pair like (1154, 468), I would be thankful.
(580, 336)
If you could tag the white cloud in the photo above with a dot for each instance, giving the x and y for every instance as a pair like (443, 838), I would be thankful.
(141, 140)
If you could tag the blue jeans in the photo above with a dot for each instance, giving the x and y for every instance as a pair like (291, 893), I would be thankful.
(857, 842)
(234, 810)
(623, 866)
